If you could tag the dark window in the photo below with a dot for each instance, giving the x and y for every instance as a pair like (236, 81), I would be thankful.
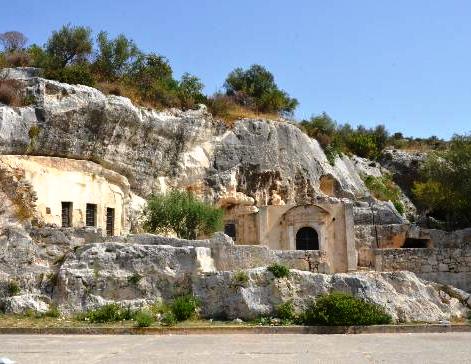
(109, 221)
(230, 230)
(307, 239)
(90, 218)
(66, 214)
(416, 243)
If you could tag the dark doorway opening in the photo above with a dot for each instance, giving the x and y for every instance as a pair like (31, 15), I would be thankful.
(413, 243)
(230, 230)
(307, 239)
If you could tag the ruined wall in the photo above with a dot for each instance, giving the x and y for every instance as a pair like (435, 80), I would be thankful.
(444, 265)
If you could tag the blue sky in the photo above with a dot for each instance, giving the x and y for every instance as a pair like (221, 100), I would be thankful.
(406, 64)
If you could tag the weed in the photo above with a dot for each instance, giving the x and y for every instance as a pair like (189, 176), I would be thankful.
(184, 307)
(279, 270)
(144, 319)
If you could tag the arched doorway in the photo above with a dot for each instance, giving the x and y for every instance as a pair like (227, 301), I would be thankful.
(307, 239)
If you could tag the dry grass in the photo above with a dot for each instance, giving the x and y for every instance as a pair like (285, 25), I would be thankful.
(11, 94)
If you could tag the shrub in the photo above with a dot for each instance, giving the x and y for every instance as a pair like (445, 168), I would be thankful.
(184, 307)
(8, 93)
(17, 59)
(285, 311)
(168, 319)
(77, 74)
(144, 319)
(384, 189)
(110, 312)
(135, 278)
(256, 88)
(337, 309)
(182, 213)
(241, 277)
(52, 312)
(278, 270)
(13, 288)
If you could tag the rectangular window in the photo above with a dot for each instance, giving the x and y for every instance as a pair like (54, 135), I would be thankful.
(109, 221)
(66, 214)
(90, 218)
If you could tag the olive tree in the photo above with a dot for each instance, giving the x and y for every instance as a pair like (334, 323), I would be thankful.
(183, 213)
(70, 44)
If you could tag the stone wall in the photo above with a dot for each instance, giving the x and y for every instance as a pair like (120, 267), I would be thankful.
(443, 265)
(228, 257)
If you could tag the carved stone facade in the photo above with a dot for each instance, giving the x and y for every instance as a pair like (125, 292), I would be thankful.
(75, 193)
(327, 227)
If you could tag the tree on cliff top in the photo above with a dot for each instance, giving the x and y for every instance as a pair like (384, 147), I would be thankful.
(70, 44)
(181, 212)
(256, 88)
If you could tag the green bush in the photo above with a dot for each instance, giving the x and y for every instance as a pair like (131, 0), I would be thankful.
(278, 270)
(13, 288)
(340, 309)
(241, 277)
(110, 312)
(52, 312)
(76, 74)
(168, 319)
(285, 311)
(184, 307)
(135, 278)
(182, 213)
(256, 88)
(384, 189)
(144, 319)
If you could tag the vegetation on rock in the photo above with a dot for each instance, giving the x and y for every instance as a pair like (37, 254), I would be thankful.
(183, 213)
(444, 190)
(383, 188)
(278, 270)
(338, 309)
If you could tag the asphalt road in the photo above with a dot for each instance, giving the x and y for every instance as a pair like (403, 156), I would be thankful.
(222, 349)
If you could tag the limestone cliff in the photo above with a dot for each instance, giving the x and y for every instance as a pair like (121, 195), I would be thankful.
(159, 149)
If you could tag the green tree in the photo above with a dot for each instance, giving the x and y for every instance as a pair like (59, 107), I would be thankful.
(114, 56)
(190, 90)
(445, 188)
(70, 44)
(256, 88)
(182, 213)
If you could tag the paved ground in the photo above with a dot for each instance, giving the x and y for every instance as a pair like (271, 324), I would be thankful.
(222, 349)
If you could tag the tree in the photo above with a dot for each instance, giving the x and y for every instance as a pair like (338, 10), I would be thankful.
(256, 88)
(114, 57)
(181, 212)
(13, 41)
(190, 90)
(321, 127)
(445, 188)
(70, 44)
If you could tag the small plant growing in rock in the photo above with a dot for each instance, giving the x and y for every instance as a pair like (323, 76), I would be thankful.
(13, 288)
(285, 312)
(278, 270)
(52, 312)
(241, 277)
(168, 319)
(184, 307)
(340, 309)
(110, 312)
(144, 319)
(135, 278)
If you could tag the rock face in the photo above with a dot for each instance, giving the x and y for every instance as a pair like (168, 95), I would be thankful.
(157, 150)
(402, 294)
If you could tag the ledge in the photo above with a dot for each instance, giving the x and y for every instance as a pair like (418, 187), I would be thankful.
(205, 330)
